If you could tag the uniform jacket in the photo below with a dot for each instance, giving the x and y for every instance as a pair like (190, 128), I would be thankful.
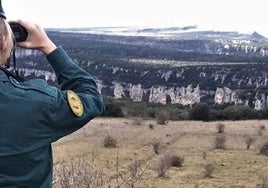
(34, 114)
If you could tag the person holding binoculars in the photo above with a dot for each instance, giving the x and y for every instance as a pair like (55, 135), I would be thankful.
(35, 114)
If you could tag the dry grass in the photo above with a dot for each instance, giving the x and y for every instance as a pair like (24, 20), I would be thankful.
(235, 166)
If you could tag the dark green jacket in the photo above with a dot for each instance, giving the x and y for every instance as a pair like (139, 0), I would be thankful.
(34, 114)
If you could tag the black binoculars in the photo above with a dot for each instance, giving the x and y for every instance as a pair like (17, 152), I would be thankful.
(19, 32)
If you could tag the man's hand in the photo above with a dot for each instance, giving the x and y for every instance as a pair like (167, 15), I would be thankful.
(37, 38)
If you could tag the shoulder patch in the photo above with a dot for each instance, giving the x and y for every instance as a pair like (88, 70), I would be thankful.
(75, 103)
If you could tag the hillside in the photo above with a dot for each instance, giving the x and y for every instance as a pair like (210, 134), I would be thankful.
(153, 64)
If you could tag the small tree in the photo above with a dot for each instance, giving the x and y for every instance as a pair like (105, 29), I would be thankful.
(199, 111)
(113, 109)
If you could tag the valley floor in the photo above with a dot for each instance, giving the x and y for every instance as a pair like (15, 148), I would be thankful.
(143, 148)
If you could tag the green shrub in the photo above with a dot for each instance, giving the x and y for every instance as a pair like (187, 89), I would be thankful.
(112, 108)
(199, 111)
(162, 118)
(239, 112)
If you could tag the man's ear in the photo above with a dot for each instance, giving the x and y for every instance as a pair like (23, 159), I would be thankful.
(5, 49)
(2, 43)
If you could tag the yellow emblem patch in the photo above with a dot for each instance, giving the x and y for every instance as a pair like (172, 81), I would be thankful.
(75, 103)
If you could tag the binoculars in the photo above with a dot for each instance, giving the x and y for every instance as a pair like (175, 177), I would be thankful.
(19, 32)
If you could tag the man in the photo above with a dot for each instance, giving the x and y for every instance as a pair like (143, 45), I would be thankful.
(33, 114)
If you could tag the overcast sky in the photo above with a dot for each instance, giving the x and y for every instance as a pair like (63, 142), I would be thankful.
(244, 16)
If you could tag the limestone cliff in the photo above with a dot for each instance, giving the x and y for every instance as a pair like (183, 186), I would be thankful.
(184, 68)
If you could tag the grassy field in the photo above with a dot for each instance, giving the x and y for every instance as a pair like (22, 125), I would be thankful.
(143, 151)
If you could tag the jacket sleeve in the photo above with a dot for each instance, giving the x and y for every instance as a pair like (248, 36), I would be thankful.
(71, 77)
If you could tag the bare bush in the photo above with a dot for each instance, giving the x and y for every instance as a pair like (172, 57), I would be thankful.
(175, 161)
(209, 169)
(262, 127)
(260, 130)
(109, 142)
(167, 161)
(156, 146)
(163, 165)
(264, 149)
(219, 142)
(220, 128)
(262, 182)
(151, 126)
(78, 173)
(136, 173)
(204, 154)
(249, 141)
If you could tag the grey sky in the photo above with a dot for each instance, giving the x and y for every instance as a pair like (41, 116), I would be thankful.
(244, 16)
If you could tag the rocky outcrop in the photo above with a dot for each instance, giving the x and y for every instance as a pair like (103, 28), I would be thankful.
(158, 94)
(186, 68)
(224, 95)
(136, 92)
(257, 99)
(21, 53)
(47, 75)
(189, 95)
(185, 95)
